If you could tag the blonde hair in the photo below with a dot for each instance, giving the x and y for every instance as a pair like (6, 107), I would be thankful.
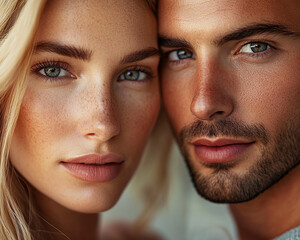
(19, 20)
(18, 23)
(153, 180)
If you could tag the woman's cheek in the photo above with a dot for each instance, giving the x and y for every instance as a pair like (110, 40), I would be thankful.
(139, 116)
(41, 120)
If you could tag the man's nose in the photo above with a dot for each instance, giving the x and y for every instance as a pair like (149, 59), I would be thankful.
(212, 98)
(99, 116)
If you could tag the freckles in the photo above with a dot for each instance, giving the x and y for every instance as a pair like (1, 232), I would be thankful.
(38, 120)
(95, 98)
(141, 112)
(137, 122)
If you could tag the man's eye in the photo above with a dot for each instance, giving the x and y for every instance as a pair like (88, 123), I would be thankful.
(54, 72)
(255, 47)
(180, 54)
(133, 75)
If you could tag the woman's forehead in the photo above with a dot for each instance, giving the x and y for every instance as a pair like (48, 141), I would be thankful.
(98, 25)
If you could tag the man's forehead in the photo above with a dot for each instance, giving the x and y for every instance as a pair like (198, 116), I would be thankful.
(205, 15)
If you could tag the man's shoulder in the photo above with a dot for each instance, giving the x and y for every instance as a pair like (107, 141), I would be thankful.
(293, 234)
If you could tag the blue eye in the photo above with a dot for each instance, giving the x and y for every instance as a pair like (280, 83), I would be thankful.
(53, 72)
(180, 54)
(133, 75)
(255, 47)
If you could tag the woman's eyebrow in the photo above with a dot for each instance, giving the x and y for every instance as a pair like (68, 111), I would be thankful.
(255, 29)
(140, 55)
(65, 50)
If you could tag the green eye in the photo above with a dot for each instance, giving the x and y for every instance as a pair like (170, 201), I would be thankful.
(54, 72)
(133, 75)
(51, 72)
(180, 54)
(255, 47)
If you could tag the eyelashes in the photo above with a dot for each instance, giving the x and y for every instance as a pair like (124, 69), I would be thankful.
(180, 54)
(252, 50)
(136, 73)
(55, 71)
(255, 47)
(256, 50)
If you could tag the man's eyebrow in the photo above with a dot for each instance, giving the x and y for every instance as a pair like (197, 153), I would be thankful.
(140, 55)
(173, 42)
(255, 29)
(65, 50)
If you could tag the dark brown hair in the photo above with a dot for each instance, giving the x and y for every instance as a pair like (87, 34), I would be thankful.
(153, 5)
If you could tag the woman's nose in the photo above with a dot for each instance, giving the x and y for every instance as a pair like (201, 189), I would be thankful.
(99, 118)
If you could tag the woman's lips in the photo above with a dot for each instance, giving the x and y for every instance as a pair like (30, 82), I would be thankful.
(221, 150)
(95, 167)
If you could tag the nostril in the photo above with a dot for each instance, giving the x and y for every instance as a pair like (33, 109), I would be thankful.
(216, 114)
(219, 112)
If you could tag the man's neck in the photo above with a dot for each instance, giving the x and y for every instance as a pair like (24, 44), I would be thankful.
(271, 213)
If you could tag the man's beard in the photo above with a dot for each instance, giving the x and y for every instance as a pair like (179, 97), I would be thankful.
(278, 156)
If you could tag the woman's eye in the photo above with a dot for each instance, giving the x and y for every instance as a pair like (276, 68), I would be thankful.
(180, 54)
(54, 72)
(255, 47)
(133, 75)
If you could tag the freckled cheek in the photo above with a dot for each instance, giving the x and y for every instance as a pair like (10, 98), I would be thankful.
(40, 122)
(137, 118)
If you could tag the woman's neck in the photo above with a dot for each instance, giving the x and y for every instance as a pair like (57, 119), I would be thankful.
(65, 223)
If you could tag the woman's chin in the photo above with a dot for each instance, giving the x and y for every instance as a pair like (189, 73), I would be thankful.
(87, 201)
(92, 205)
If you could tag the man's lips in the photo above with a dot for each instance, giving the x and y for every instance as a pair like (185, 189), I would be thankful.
(94, 167)
(220, 150)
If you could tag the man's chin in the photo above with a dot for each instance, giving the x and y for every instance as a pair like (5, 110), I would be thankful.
(278, 156)
(225, 186)
(224, 189)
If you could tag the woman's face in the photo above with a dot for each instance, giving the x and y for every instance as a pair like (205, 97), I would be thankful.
(91, 102)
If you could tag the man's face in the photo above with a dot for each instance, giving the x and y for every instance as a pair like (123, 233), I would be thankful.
(231, 87)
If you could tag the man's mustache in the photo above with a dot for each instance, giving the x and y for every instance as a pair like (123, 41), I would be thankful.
(223, 128)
